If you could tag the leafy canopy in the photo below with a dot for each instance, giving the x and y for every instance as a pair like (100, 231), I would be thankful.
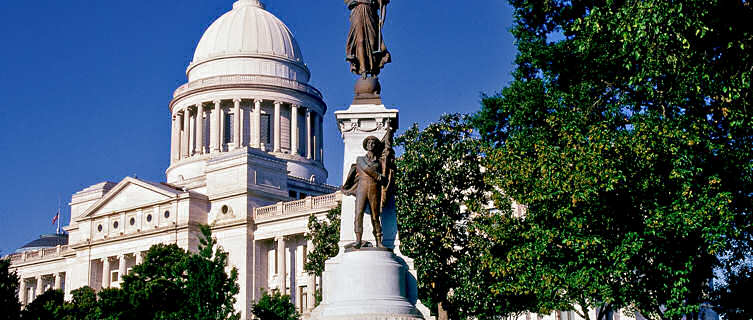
(628, 132)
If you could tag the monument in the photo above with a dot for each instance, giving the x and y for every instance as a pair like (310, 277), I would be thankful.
(369, 279)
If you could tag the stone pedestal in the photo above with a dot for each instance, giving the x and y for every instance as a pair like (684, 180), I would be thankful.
(368, 283)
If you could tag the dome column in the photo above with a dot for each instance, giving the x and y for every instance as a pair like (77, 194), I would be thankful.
(199, 148)
(174, 142)
(179, 136)
(308, 133)
(237, 123)
(257, 124)
(215, 127)
(294, 129)
(277, 147)
(320, 150)
(186, 134)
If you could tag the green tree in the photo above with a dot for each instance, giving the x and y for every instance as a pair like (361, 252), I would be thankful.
(10, 307)
(628, 132)
(83, 305)
(274, 306)
(46, 306)
(113, 304)
(439, 191)
(172, 283)
(324, 235)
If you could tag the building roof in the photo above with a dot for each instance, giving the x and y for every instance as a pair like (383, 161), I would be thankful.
(45, 241)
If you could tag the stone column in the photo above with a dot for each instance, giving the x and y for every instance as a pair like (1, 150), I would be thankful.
(277, 148)
(257, 124)
(105, 272)
(121, 267)
(40, 287)
(139, 258)
(311, 286)
(237, 124)
(294, 129)
(199, 128)
(58, 281)
(215, 127)
(282, 270)
(174, 142)
(22, 292)
(186, 134)
(179, 136)
(308, 134)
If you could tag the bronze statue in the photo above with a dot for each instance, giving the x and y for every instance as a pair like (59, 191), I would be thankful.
(366, 51)
(370, 180)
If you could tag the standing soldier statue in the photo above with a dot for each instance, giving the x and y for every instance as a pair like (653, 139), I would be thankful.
(365, 50)
(370, 180)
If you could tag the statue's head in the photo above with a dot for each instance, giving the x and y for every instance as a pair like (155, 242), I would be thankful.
(371, 143)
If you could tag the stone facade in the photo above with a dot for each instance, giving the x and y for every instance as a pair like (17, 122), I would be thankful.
(246, 158)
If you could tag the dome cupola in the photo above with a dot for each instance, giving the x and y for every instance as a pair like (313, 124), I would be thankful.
(248, 40)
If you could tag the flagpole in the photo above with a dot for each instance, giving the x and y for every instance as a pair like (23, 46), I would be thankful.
(58, 232)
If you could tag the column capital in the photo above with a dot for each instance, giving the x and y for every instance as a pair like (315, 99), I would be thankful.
(258, 100)
(295, 105)
(237, 100)
(277, 102)
(217, 102)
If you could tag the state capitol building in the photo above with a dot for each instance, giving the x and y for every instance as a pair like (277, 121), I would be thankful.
(245, 157)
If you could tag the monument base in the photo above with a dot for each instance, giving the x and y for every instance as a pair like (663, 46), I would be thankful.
(367, 284)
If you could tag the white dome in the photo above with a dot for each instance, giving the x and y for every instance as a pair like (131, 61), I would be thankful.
(248, 29)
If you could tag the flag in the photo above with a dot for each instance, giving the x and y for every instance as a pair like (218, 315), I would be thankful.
(57, 216)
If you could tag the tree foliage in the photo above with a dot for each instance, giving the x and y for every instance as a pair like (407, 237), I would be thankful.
(628, 132)
(275, 306)
(45, 306)
(324, 234)
(10, 307)
(440, 191)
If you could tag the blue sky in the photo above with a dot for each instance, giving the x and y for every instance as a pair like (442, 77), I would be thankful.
(85, 85)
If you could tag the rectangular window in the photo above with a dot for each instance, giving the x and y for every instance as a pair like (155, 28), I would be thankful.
(229, 120)
(265, 126)
(292, 195)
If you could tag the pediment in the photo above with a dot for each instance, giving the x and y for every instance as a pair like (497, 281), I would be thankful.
(129, 194)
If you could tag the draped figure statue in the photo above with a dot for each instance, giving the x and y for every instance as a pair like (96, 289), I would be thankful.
(365, 50)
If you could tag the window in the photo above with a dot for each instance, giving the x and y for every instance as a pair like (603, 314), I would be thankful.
(225, 209)
(167, 214)
(114, 276)
(132, 221)
(229, 119)
(149, 218)
(115, 225)
(292, 195)
(303, 195)
(99, 228)
(303, 301)
(265, 126)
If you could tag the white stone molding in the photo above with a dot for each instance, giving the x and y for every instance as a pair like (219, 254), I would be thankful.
(244, 81)
(200, 128)
(277, 146)
(139, 257)
(215, 127)
(237, 123)
(294, 129)
(308, 134)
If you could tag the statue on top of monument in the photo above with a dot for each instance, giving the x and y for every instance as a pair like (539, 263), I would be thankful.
(365, 50)
(371, 180)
